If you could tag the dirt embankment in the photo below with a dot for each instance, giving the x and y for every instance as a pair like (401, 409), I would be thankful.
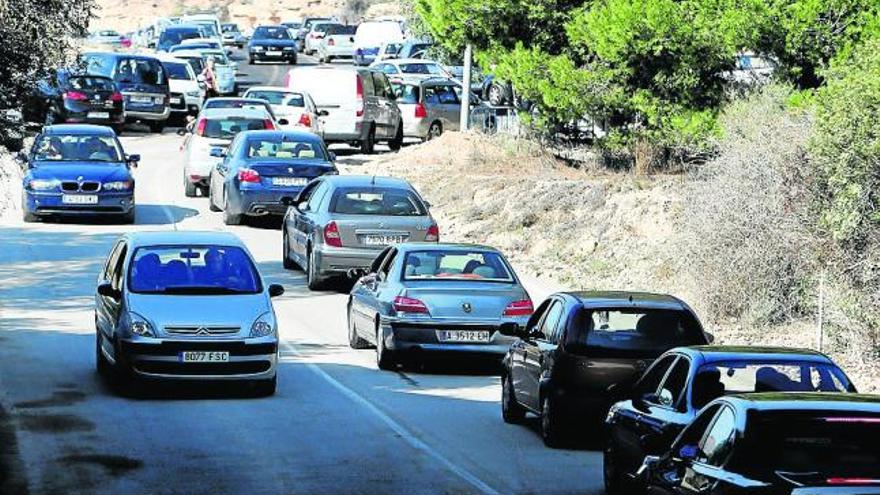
(10, 174)
(579, 229)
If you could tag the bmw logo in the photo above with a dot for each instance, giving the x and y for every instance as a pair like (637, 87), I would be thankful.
(466, 307)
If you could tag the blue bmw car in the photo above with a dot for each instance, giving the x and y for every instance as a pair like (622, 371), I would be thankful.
(78, 170)
(263, 172)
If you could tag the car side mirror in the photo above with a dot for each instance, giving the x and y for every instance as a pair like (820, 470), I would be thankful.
(323, 113)
(688, 452)
(218, 152)
(357, 273)
(276, 290)
(107, 290)
(133, 160)
(283, 122)
(648, 465)
(511, 329)
(640, 401)
(710, 338)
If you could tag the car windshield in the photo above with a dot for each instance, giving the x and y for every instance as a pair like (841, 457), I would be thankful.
(77, 147)
(339, 29)
(422, 68)
(632, 333)
(174, 37)
(177, 71)
(228, 127)
(196, 63)
(285, 147)
(230, 28)
(814, 447)
(271, 33)
(86, 83)
(271, 96)
(483, 266)
(293, 25)
(377, 201)
(144, 71)
(193, 270)
(732, 377)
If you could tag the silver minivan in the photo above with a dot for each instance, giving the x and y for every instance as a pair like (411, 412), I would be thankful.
(360, 105)
(340, 223)
(431, 105)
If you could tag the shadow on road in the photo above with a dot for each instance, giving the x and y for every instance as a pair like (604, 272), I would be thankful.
(163, 214)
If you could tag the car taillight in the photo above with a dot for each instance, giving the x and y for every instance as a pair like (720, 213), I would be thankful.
(268, 125)
(305, 120)
(409, 305)
(330, 42)
(360, 96)
(75, 95)
(200, 127)
(421, 113)
(331, 235)
(853, 481)
(116, 97)
(519, 308)
(433, 234)
(249, 175)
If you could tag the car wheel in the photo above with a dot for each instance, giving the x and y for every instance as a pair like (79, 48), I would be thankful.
(251, 60)
(354, 340)
(157, 126)
(266, 388)
(550, 423)
(228, 217)
(397, 143)
(328, 59)
(189, 189)
(511, 411)
(129, 218)
(384, 359)
(496, 95)
(369, 143)
(313, 279)
(205, 190)
(288, 263)
(29, 217)
(434, 131)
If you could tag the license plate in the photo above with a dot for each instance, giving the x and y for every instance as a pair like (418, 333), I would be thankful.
(140, 99)
(273, 53)
(383, 240)
(203, 357)
(176, 101)
(289, 181)
(79, 199)
(462, 335)
(99, 115)
(158, 100)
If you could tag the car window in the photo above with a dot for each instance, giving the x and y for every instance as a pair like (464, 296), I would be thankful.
(633, 333)
(536, 317)
(220, 128)
(439, 265)
(377, 262)
(441, 95)
(317, 196)
(696, 430)
(673, 387)
(421, 68)
(405, 93)
(136, 70)
(273, 97)
(338, 29)
(177, 72)
(387, 69)
(382, 89)
(650, 381)
(285, 147)
(78, 148)
(87, 83)
(386, 265)
(193, 270)
(116, 276)
(549, 323)
(110, 264)
(718, 441)
(383, 201)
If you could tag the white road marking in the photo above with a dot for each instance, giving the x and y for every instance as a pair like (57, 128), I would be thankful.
(399, 429)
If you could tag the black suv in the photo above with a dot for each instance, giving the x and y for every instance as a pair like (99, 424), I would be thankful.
(75, 98)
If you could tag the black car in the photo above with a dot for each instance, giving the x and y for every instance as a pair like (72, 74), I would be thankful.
(578, 349)
(684, 380)
(772, 444)
(76, 98)
(142, 81)
(174, 35)
(272, 43)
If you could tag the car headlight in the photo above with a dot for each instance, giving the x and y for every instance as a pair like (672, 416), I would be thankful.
(120, 185)
(43, 184)
(257, 48)
(288, 48)
(265, 325)
(140, 326)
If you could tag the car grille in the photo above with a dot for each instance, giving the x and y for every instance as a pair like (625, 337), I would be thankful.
(174, 347)
(201, 330)
(89, 186)
(181, 99)
(196, 369)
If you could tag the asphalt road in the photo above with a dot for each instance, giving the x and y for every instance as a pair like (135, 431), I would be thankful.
(336, 425)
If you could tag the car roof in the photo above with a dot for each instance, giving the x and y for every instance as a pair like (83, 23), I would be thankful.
(720, 353)
(79, 129)
(445, 246)
(412, 61)
(136, 56)
(366, 180)
(805, 401)
(284, 89)
(626, 299)
(423, 79)
(185, 237)
(235, 112)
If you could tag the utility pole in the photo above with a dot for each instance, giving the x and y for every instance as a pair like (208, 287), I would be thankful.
(464, 120)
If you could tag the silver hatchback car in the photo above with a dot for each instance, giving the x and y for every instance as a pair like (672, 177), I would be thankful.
(340, 223)
(185, 305)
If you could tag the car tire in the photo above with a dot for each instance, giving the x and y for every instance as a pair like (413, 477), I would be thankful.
(328, 59)
(189, 189)
(266, 388)
(129, 218)
(435, 131)
(29, 217)
(205, 191)
(156, 126)
(614, 483)
(228, 217)
(288, 263)
(313, 279)
(384, 358)
(368, 145)
(251, 60)
(397, 143)
(495, 95)
(354, 340)
(511, 410)
(551, 427)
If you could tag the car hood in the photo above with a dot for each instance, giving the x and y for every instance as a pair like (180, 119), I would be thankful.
(75, 170)
(227, 310)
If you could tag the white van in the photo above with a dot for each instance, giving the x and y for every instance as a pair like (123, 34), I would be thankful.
(370, 36)
(357, 105)
(210, 21)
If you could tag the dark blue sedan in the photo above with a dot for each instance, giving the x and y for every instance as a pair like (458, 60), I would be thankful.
(78, 170)
(272, 43)
(263, 172)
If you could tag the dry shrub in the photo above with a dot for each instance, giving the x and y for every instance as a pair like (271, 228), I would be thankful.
(746, 228)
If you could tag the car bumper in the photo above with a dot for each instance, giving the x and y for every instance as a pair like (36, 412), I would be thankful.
(41, 204)
(252, 359)
(336, 52)
(348, 135)
(338, 261)
(115, 116)
(283, 55)
(272, 202)
(415, 128)
(199, 171)
(141, 115)
(415, 337)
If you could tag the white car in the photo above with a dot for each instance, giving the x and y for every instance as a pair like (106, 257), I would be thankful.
(211, 133)
(338, 42)
(296, 107)
(389, 50)
(369, 37)
(315, 36)
(186, 92)
(411, 67)
(209, 21)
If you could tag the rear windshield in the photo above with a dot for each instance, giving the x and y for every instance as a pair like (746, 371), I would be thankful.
(322, 27)
(77, 147)
(227, 128)
(193, 270)
(284, 148)
(230, 28)
(176, 36)
(732, 377)
(143, 71)
(814, 447)
(271, 33)
(273, 97)
(340, 29)
(238, 103)
(377, 201)
(176, 71)
(196, 64)
(420, 68)
(91, 83)
(633, 332)
(483, 266)
(405, 93)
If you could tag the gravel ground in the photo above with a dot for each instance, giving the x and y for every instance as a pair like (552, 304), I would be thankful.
(10, 176)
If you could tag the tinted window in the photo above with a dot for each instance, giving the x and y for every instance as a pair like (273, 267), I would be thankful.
(652, 378)
(321, 27)
(91, 83)
(194, 270)
(634, 332)
(229, 28)
(421, 68)
(174, 37)
(456, 265)
(144, 71)
(228, 128)
(442, 95)
(271, 33)
(77, 147)
(342, 30)
(284, 148)
(716, 445)
(273, 97)
(673, 387)
(551, 321)
(377, 201)
(406, 93)
(176, 71)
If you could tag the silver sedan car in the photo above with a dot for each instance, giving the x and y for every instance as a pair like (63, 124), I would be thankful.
(340, 223)
(185, 305)
(436, 298)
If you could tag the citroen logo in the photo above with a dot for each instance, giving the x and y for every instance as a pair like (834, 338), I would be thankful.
(202, 331)
(381, 225)
(290, 170)
(466, 307)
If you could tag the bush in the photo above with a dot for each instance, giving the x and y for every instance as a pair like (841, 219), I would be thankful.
(746, 232)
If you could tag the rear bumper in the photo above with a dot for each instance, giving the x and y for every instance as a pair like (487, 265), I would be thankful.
(260, 203)
(408, 337)
(344, 136)
(139, 115)
(289, 55)
(336, 52)
(42, 204)
(156, 358)
(416, 128)
(338, 261)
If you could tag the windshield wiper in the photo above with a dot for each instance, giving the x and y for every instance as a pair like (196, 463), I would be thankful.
(200, 290)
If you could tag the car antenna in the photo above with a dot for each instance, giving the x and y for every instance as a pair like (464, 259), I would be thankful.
(373, 180)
